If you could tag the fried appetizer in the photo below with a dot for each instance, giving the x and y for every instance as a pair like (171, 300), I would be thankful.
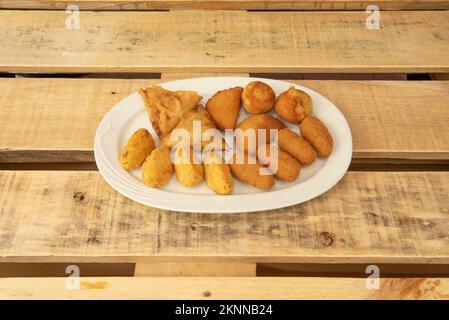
(247, 132)
(218, 174)
(293, 105)
(296, 146)
(188, 168)
(138, 147)
(279, 162)
(157, 168)
(166, 108)
(183, 133)
(248, 169)
(258, 97)
(316, 132)
(224, 107)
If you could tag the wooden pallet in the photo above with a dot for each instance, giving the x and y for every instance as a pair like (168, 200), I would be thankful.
(391, 209)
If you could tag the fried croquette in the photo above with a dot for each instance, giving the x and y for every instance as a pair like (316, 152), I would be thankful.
(224, 107)
(218, 174)
(138, 147)
(248, 169)
(247, 131)
(258, 97)
(293, 105)
(279, 162)
(318, 135)
(157, 169)
(298, 147)
(188, 167)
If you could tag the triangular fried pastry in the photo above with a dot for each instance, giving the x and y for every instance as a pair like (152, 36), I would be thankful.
(166, 108)
(187, 125)
(224, 107)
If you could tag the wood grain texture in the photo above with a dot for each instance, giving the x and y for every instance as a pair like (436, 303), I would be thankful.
(195, 270)
(382, 217)
(224, 41)
(250, 288)
(390, 119)
(223, 4)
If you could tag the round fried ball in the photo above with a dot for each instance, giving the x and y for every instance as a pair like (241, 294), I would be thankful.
(293, 105)
(258, 97)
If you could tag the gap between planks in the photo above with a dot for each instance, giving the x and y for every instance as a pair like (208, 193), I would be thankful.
(374, 165)
(221, 269)
(131, 5)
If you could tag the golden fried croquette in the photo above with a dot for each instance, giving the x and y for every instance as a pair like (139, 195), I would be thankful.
(138, 147)
(296, 146)
(218, 174)
(258, 97)
(247, 131)
(157, 168)
(279, 162)
(293, 105)
(188, 167)
(248, 169)
(165, 108)
(224, 107)
(318, 135)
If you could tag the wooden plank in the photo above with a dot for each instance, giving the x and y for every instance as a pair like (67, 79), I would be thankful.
(169, 76)
(195, 270)
(389, 119)
(369, 217)
(223, 4)
(224, 41)
(266, 288)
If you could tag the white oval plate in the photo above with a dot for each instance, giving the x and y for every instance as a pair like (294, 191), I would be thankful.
(130, 114)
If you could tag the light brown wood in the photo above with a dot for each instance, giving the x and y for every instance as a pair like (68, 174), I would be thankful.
(195, 270)
(55, 121)
(224, 41)
(224, 288)
(224, 4)
(368, 217)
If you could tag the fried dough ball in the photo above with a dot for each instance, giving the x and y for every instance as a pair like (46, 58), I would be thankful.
(279, 162)
(296, 146)
(188, 167)
(258, 97)
(247, 131)
(138, 147)
(218, 174)
(318, 135)
(157, 168)
(293, 105)
(248, 169)
(224, 107)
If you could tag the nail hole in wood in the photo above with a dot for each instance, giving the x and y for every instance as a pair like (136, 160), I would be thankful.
(78, 197)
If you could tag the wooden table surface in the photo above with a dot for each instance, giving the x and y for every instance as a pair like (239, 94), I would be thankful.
(390, 209)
